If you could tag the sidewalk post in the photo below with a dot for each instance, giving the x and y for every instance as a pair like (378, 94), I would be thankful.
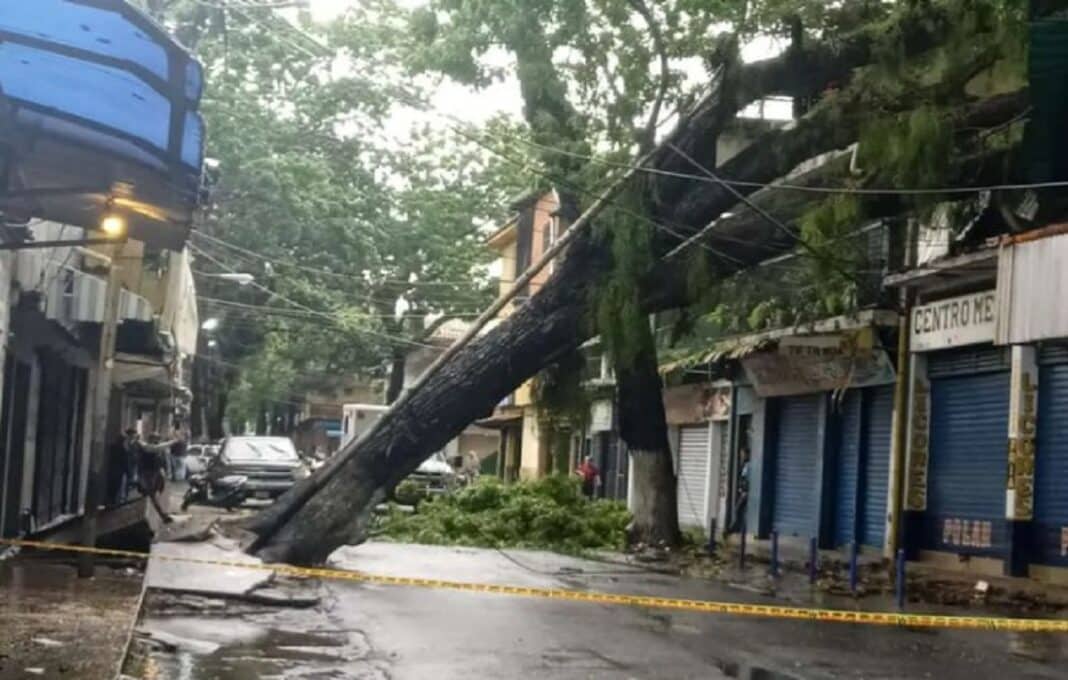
(899, 582)
(741, 553)
(853, 550)
(773, 568)
(711, 547)
(813, 560)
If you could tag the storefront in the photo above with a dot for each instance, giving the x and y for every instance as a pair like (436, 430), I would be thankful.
(822, 460)
(1050, 529)
(958, 460)
(862, 478)
(698, 416)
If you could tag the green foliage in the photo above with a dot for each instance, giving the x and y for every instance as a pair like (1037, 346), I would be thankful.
(912, 150)
(350, 221)
(563, 402)
(617, 300)
(549, 514)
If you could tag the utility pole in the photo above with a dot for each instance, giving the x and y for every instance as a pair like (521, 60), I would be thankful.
(100, 397)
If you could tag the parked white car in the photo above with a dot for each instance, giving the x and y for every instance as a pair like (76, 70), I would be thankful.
(198, 457)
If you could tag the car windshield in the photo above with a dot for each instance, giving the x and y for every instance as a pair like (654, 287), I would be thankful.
(268, 449)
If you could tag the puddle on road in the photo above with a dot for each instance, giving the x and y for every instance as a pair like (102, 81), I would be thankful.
(742, 672)
(196, 648)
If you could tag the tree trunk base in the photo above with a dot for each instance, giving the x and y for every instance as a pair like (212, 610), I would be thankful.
(655, 512)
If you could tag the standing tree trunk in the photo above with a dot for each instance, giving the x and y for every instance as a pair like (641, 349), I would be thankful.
(644, 430)
(398, 364)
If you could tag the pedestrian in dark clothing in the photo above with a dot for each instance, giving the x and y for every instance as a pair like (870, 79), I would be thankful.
(590, 476)
(742, 494)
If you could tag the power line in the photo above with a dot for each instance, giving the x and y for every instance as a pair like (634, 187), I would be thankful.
(386, 336)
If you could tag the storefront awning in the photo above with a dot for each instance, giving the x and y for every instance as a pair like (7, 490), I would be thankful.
(98, 115)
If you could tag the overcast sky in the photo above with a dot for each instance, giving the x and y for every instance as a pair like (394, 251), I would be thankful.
(503, 97)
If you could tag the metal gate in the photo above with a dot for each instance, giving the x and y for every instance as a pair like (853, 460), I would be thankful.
(59, 439)
(17, 377)
(876, 465)
(798, 451)
(694, 459)
(968, 452)
(1051, 459)
(847, 477)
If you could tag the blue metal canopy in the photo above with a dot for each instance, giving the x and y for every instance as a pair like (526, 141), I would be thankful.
(98, 112)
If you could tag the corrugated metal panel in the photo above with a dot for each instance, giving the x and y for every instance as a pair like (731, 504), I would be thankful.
(968, 457)
(967, 360)
(1031, 281)
(1053, 353)
(693, 475)
(1051, 466)
(796, 504)
(880, 414)
(847, 478)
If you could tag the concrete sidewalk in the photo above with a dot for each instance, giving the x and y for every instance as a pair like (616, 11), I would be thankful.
(55, 625)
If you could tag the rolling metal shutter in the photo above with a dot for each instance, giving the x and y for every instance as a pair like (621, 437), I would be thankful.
(693, 475)
(968, 451)
(798, 450)
(880, 402)
(847, 477)
(1051, 459)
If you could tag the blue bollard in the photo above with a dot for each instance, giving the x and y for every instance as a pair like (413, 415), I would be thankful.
(741, 551)
(773, 568)
(853, 554)
(899, 583)
(813, 560)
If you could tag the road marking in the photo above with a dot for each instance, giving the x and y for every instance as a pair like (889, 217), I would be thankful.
(644, 601)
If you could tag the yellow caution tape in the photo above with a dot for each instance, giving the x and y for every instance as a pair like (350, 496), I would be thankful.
(646, 601)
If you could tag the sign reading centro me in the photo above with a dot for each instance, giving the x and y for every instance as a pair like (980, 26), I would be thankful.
(965, 320)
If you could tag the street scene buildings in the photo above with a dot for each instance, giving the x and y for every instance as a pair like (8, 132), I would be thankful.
(557, 339)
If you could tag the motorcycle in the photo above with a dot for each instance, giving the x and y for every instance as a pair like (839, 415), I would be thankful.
(226, 492)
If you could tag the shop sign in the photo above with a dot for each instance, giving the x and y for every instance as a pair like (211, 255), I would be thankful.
(803, 365)
(918, 452)
(601, 416)
(1023, 407)
(688, 404)
(967, 533)
(956, 322)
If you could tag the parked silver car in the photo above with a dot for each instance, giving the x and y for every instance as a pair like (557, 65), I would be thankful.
(271, 464)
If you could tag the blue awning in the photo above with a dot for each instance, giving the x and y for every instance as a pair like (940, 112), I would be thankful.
(98, 111)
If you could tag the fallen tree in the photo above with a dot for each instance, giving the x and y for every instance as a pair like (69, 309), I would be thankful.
(305, 528)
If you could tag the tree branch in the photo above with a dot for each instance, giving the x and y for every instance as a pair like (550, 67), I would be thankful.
(648, 135)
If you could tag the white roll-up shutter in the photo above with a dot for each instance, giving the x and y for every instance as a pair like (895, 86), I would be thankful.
(693, 475)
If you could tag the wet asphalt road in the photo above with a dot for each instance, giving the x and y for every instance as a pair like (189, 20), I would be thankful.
(370, 631)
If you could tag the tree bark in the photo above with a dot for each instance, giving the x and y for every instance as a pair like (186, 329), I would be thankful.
(643, 428)
(398, 364)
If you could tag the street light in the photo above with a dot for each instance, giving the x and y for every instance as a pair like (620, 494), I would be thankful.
(210, 325)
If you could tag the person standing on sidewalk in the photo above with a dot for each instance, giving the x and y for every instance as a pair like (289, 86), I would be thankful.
(590, 476)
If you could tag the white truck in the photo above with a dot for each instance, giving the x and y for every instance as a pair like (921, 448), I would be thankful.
(435, 472)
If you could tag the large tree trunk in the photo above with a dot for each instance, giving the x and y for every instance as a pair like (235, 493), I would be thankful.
(468, 388)
(644, 431)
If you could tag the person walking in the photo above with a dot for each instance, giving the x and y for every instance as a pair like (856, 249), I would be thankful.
(176, 456)
(590, 476)
(152, 469)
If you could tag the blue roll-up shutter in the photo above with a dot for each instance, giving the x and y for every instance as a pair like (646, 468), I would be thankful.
(798, 451)
(968, 452)
(1051, 459)
(876, 477)
(847, 478)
